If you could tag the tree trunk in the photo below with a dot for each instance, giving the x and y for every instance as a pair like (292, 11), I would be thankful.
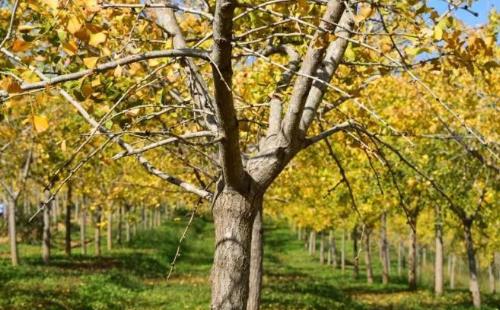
(368, 258)
(400, 257)
(14, 252)
(46, 234)
(83, 230)
(127, 225)
(143, 218)
(97, 233)
(412, 259)
(332, 249)
(120, 225)
(438, 258)
(322, 248)
(355, 260)
(384, 249)
(453, 263)
(471, 260)
(256, 259)
(342, 252)
(233, 214)
(299, 234)
(67, 221)
(491, 277)
(109, 239)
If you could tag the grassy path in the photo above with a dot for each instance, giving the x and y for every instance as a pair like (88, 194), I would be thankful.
(134, 277)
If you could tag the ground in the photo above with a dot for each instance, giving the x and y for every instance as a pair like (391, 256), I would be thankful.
(134, 277)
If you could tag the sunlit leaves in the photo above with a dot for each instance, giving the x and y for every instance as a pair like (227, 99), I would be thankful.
(97, 39)
(40, 123)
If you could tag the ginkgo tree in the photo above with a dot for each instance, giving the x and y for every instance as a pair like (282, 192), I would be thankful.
(224, 110)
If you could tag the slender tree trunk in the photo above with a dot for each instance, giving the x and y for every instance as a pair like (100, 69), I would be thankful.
(491, 277)
(322, 248)
(368, 257)
(299, 234)
(109, 241)
(342, 252)
(453, 263)
(384, 249)
(46, 234)
(83, 230)
(127, 225)
(67, 221)
(314, 235)
(14, 252)
(97, 232)
(400, 257)
(233, 214)
(256, 259)
(120, 225)
(471, 260)
(438, 259)
(412, 259)
(355, 260)
(143, 218)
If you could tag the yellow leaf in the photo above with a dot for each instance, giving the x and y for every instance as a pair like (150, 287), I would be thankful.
(303, 6)
(40, 123)
(63, 145)
(118, 71)
(90, 62)
(74, 25)
(97, 38)
(20, 45)
(70, 47)
(365, 11)
(53, 4)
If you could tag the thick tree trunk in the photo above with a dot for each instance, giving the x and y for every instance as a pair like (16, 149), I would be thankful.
(67, 221)
(471, 260)
(14, 252)
(384, 249)
(412, 259)
(97, 233)
(342, 252)
(46, 234)
(355, 260)
(109, 232)
(83, 230)
(256, 259)
(233, 214)
(322, 248)
(368, 258)
(438, 258)
(491, 277)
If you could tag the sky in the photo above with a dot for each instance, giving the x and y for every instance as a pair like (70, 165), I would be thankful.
(482, 7)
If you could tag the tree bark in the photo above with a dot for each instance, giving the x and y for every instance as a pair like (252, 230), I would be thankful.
(471, 260)
(109, 241)
(97, 233)
(342, 252)
(412, 259)
(322, 248)
(368, 257)
(14, 252)
(400, 257)
(438, 258)
(384, 249)
(256, 259)
(120, 225)
(83, 230)
(127, 225)
(233, 214)
(491, 277)
(67, 221)
(46, 234)
(453, 263)
(355, 260)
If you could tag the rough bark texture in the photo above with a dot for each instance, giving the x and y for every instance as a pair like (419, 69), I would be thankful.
(368, 258)
(14, 252)
(412, 260)
(256, 259)
(384, 249)
(233, 218)
(471, 261)
(438, 257)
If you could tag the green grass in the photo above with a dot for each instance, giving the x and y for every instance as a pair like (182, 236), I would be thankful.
(134, 277)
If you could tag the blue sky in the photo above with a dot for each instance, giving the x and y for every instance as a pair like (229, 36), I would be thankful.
(482, 7)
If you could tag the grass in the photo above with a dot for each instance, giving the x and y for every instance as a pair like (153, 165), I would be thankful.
(134, 277)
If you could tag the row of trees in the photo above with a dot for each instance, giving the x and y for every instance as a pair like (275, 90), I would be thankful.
(216, 98)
